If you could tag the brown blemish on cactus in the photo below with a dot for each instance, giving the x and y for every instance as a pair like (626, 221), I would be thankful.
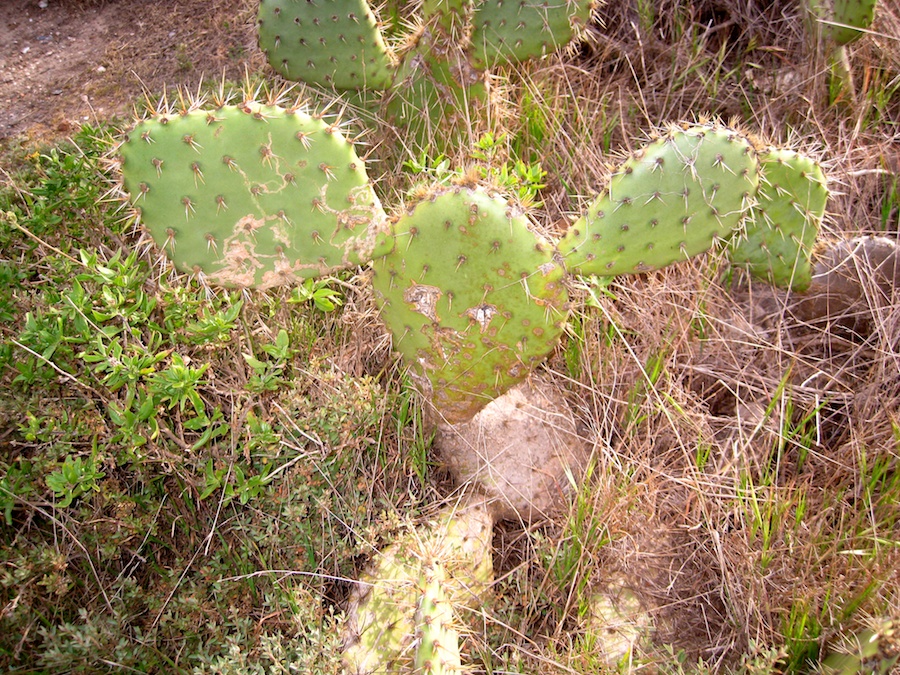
(423, 299)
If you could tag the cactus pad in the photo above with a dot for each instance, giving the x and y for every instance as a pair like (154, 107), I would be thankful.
(779, 238)
(251, 195)
(388, 599)
(842, 21)
(438, 650)
(509, 31)
(671, 200)
(335, 43)
(472, 296)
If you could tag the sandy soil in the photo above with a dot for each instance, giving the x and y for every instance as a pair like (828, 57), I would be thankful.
(66, 62)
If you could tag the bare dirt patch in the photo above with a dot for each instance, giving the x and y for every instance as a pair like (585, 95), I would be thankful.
(64, 62)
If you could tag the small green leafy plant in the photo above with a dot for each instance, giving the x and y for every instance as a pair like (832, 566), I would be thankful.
(77, 476)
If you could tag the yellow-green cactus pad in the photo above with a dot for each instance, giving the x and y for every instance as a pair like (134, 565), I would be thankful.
(472, 296)
(393, 598)
(334, 43)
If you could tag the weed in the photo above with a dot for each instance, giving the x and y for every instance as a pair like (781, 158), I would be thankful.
(74, 478)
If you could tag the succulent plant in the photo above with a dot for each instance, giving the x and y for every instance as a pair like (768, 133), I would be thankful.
(429, 81)
(833, 24)
(438, 649)
(334, 43)
(874, 650)
(778, 241)
(403, 610)
(673, 199)
(475, 297)
(251, 194)
(472, 295)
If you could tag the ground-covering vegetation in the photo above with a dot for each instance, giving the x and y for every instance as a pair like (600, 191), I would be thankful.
(192, 477)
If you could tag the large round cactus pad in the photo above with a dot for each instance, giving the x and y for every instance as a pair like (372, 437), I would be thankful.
(472, 296)
(251, 195)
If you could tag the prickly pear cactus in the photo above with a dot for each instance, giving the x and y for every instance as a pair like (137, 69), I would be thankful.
(778, 241)
(472, 296)
(397, 595)
(336, 43)
(673, 199)
(438, 650)
(841, 21)
(251, 195)
(436, 101)
(510, 32)
(434, 80)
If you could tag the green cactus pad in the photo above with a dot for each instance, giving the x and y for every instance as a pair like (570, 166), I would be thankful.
(334, 43)
(472, 296)
(779, 237)
(388, 599)
(671, 200)
(842, 21)
(509, 31)
(251, 195)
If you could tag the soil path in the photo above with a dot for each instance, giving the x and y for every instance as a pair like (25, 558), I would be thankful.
(66, 62)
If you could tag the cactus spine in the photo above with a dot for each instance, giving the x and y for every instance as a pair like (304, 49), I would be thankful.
(438, 650)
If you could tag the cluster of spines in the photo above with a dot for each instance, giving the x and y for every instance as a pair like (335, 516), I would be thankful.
(437, 651)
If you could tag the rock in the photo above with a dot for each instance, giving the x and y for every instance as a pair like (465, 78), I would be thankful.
(851, 277)
(522, 451)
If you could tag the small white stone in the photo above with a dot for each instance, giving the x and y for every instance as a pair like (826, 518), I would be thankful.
(101, 69)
